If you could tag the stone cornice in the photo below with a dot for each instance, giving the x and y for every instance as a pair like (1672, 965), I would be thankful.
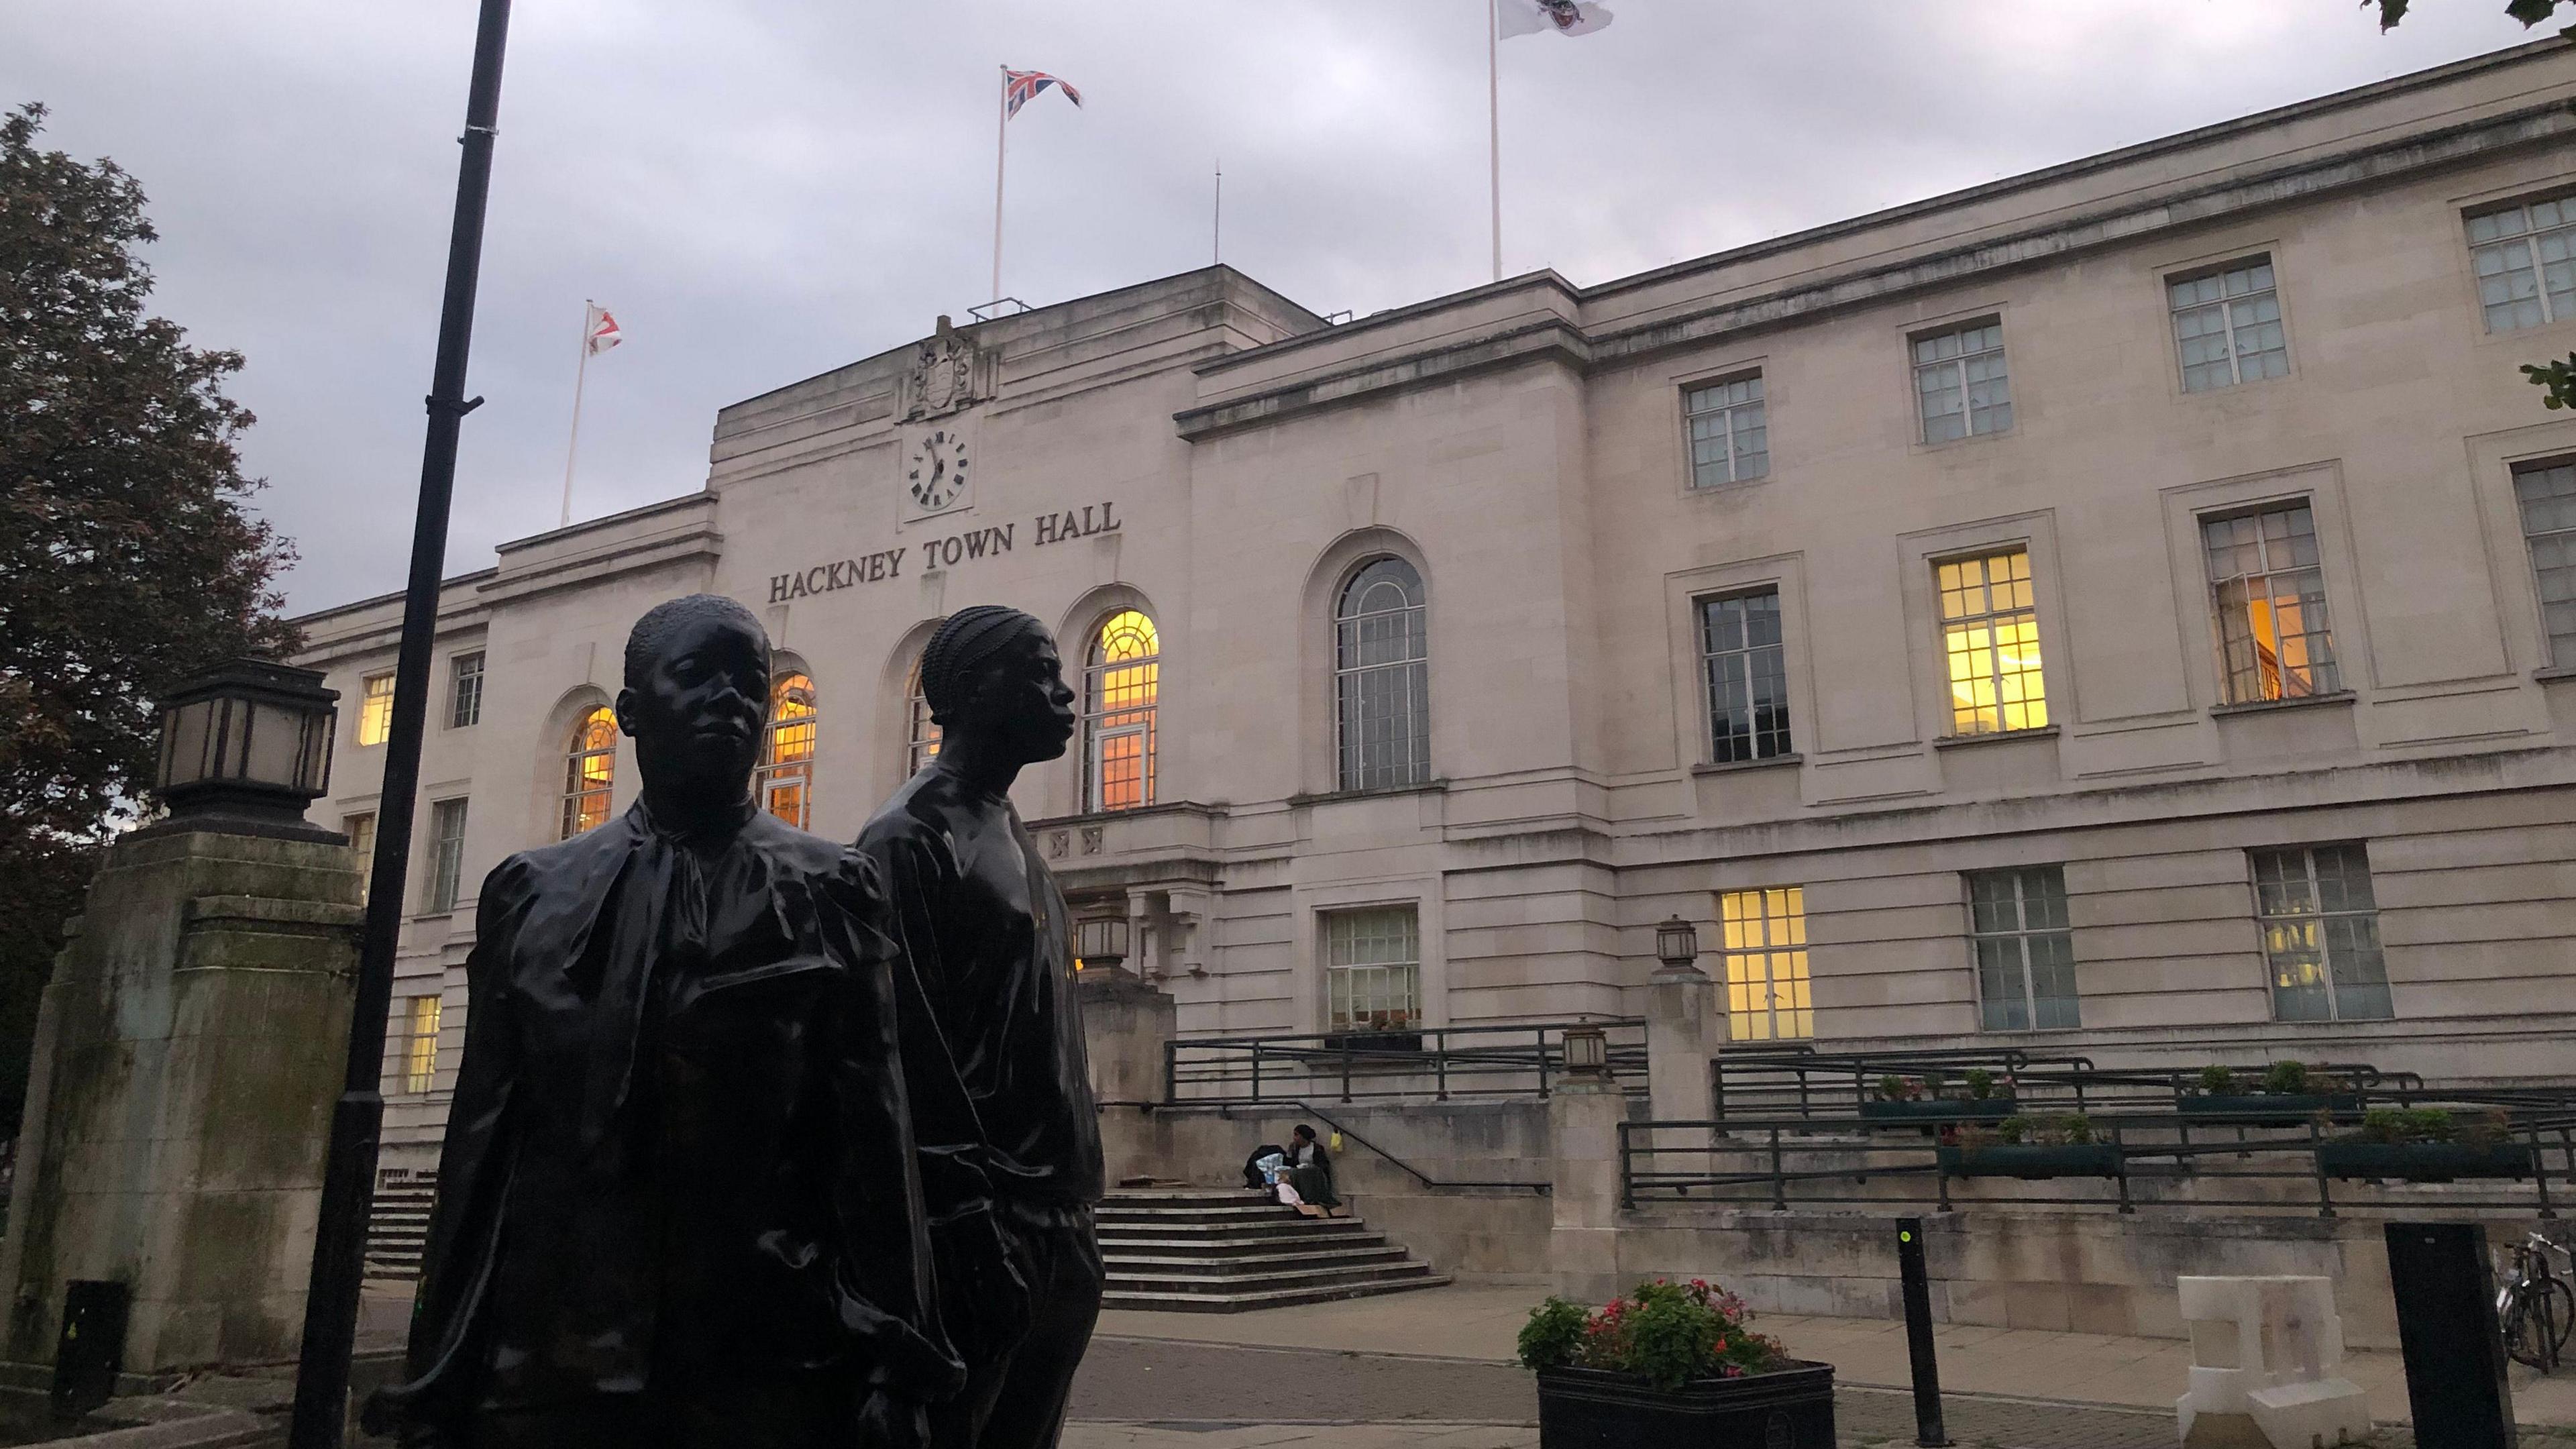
(2120, 222)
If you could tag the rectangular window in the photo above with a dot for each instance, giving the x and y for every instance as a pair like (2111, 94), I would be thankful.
(2227, 324)
(361, 830)
(2525, 257)
(375, 709)
(1990, 643)
(465, 691)
(2273, 639)
(1729, 440)
(1373, 970)
(1959, 377)
(1746, 668)
(1766, 964)
(2546, 493)
(2025, 953)
(411, 1045)
(2321, 934)
(447, 852)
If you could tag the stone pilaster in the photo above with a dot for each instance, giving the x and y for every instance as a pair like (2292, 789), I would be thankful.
(1583, 1240)
(188, 1050)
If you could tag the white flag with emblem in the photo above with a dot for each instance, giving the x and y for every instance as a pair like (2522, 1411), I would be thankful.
(603, 333)
(1565, 17)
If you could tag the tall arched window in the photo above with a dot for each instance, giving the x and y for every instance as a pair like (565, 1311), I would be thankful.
(1121, 687)
(921, 731)
(1382, 678)
(590, 771)
(786, 779)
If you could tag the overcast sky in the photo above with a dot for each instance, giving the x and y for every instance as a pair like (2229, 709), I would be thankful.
(763, 189)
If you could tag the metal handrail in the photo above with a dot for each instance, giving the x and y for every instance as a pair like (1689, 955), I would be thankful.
(1436, 1062)
(1859, 1157)
(1541, 1188)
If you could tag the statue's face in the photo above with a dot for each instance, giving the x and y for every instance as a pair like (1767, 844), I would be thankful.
(1021, 699)
(701, 710)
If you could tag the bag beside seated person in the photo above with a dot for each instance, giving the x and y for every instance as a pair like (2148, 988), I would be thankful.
(1266, 1159)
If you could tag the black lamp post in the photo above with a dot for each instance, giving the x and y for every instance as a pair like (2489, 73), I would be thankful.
(245, 747)
(348, 1183)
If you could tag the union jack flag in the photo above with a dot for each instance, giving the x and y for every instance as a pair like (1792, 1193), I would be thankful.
(1019, 87)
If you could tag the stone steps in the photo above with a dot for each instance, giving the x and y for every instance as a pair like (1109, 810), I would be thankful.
(1228, 1250)
(398, 1225)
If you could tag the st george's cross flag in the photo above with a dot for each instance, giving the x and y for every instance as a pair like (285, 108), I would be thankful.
(1565, 17)
(602, 333)
(1019, 87)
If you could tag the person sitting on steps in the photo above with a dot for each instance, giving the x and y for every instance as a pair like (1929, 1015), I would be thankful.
(1310, 1171)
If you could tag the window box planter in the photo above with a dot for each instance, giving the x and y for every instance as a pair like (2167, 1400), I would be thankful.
(2425, 1161)
(2268, 1109)
(1933, 1113)
(1788, 1408)
(2031, 1161)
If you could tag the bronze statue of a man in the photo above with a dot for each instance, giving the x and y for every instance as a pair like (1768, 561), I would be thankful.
(987, 933)
(679, 1203)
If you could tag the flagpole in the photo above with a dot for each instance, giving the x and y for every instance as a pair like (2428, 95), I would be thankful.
(1216, 240)
(1494, 119)
(1001, 153)
(581, 374)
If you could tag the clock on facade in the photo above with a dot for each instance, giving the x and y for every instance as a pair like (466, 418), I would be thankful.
(938, 470)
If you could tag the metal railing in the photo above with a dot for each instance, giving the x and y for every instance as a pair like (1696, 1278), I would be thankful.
(2240, 1161)
(1803, 1082)
(1436, 1063)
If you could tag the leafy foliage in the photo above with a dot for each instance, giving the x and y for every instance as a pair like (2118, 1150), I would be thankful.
(2556, 380)
(2529, 12)
(2217, 1080)
(1667, 1333)
(127, 558)
(2285, 1078)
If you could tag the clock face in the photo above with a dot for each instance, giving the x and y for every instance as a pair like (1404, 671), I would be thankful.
(938, 470)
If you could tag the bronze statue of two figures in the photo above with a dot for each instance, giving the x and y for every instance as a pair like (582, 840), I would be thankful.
(762, 1141)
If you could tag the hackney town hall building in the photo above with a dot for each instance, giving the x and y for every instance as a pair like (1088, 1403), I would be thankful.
(2125, 610)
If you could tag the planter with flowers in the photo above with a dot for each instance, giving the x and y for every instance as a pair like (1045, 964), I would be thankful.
(2427, 1145)
(2285, 1095)
(1927, 1101)
(1671, 1366)
(2031, 1148)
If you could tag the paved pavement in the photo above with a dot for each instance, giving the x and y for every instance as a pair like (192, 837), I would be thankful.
(1391, 1373)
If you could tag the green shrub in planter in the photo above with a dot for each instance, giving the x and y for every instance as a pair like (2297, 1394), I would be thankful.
(1981, 1084)
(1670, 1365)
(2217, 1081)
(2286, 1079)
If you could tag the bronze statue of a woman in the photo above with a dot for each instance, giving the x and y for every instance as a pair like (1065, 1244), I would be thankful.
(678, 1203)
(988, 937)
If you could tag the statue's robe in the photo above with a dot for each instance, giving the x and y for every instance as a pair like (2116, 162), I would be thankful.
(679, 1185)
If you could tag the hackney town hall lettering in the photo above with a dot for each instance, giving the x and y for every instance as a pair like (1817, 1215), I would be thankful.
(1046, 528)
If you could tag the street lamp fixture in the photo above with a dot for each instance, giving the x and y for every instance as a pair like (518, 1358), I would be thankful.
(1587, 1054)
(1101, 942)
(1677, 945)
(245, 748)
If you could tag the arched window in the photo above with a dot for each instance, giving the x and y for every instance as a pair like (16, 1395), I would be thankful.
(590, 771)
(1382, 678)
(1121, 687)
(786, 779)
(922, 732)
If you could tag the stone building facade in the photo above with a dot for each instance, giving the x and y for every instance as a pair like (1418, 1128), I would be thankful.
(2127, 609)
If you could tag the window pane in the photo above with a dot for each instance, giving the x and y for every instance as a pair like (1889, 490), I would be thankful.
(590, 772)
(784, 783)
(1745, 669)
(2024, 951)
(1990, 643)
(1764, 947)
(2547, 495)
(1382, 679)
(1372, 969)
(375, 709)
(447, 853)
(2274, 638)
(1730, 442)
(2320, 930)
(465, 691)
(2521, 255)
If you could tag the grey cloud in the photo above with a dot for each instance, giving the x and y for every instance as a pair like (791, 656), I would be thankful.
(768, 188)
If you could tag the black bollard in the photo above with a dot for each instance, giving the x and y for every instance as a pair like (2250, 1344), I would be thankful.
(2446, 1323)
(1928, 1429)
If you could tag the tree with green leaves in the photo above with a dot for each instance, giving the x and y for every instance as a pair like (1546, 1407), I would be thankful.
(128, 557)
(2529, 12)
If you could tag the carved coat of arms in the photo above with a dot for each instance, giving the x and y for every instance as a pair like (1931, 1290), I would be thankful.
(946, 376)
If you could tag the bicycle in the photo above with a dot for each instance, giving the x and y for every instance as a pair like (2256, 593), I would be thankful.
(2536, 1305)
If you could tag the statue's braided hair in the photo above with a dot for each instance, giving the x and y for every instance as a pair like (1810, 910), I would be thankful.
(645, 642)
(963, 642)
